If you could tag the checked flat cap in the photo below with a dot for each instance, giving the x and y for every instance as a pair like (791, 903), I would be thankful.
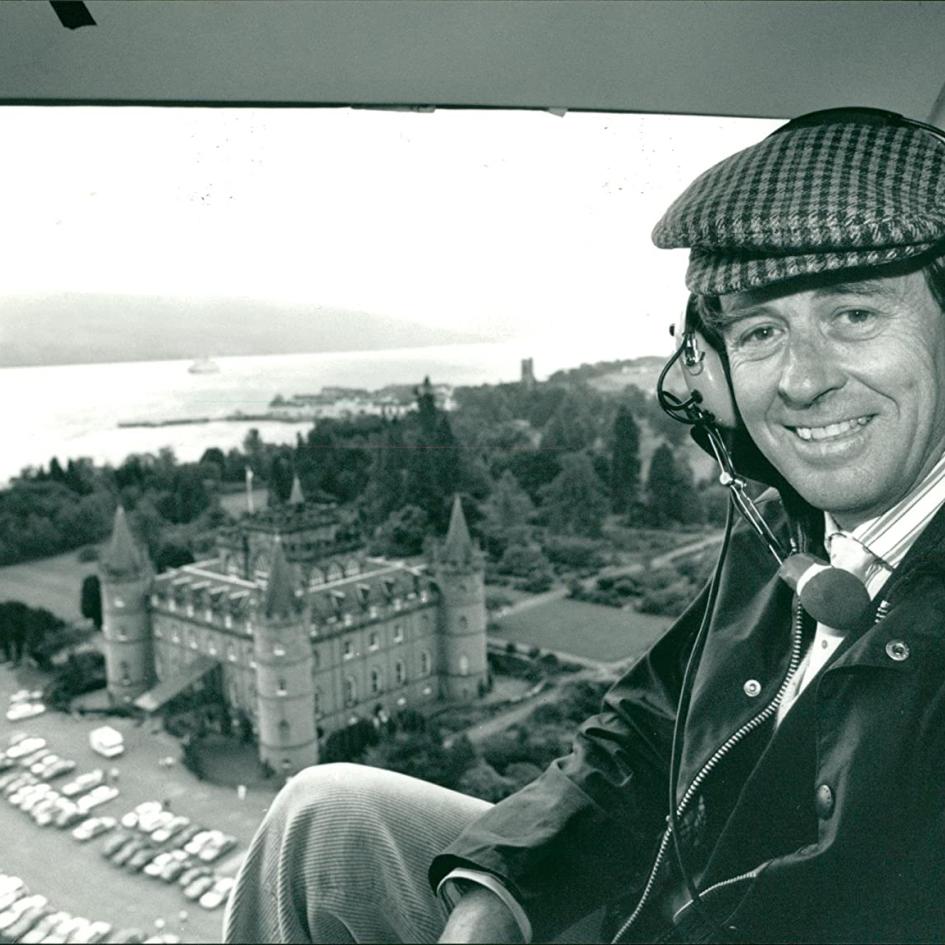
(818, 197)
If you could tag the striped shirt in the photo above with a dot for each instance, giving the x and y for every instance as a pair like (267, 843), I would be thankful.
(872, 550)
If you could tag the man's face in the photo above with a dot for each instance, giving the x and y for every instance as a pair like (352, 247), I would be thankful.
(842, 387)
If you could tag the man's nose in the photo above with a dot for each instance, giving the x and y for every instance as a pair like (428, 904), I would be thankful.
(808, 371)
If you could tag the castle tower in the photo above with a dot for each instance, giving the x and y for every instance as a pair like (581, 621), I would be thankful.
(285, 691)
(296, 497)
(460, 574)
(126, 576)
(528, 373)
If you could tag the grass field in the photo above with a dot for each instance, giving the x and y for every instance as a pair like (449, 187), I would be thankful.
(587, 630)
(54, 583)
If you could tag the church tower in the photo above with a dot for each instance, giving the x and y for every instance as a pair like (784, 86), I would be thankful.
(460, 575)
(126, 576)
(285, 690)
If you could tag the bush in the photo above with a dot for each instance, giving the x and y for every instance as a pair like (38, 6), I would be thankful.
(667, 601)
(83, 672)
(87, 553)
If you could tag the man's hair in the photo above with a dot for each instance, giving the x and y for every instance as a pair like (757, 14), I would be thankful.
(709, 307)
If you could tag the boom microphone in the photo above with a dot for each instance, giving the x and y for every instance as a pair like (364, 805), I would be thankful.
(831, 596)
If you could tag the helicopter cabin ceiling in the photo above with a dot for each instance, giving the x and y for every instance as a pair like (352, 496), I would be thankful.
(723, 57)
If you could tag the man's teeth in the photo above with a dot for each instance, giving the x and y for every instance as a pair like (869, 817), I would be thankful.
(834, 429)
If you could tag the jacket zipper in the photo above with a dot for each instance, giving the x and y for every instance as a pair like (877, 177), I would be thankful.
(731, 881)
(704, 771)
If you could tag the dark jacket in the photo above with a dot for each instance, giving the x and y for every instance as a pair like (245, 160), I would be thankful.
(832, 826)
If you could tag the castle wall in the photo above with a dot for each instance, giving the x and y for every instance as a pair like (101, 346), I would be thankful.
(126, 629)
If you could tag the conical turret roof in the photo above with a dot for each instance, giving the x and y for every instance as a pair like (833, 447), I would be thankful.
(296, 497)
(458, 545)
(279, 600)
(122, 555)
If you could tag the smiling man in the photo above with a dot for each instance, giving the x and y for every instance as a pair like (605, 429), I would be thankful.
(806, 771)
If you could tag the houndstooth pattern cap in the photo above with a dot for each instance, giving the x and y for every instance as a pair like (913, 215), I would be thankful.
(815, 198)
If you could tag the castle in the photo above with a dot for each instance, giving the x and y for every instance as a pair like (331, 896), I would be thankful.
(293, 629)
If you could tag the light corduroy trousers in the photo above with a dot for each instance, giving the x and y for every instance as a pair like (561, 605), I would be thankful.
(342, 856)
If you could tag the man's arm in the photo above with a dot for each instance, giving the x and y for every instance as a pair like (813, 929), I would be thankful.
(481, 916)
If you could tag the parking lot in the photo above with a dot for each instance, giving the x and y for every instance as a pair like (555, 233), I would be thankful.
(74, 876)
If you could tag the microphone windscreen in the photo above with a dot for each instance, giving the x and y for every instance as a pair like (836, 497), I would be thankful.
(831, 596)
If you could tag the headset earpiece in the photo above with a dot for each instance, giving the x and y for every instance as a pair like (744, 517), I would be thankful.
(703, 371)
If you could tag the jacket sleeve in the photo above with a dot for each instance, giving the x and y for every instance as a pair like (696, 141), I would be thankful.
(585, 831)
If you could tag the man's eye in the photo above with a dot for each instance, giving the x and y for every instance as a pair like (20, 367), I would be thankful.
(757, 337)
(855, 316)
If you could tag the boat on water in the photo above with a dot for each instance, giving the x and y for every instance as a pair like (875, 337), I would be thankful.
(204, 366)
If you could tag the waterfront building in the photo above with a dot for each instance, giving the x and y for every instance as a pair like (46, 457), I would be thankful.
(295, 630)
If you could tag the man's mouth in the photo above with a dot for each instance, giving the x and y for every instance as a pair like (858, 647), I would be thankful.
(831, 430)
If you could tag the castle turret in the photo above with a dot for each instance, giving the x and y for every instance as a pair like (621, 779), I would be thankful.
(125, 573)
(296, 497)
(460, 575)
(285, 691)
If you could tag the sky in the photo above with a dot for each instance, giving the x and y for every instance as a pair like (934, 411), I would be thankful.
(508, 224)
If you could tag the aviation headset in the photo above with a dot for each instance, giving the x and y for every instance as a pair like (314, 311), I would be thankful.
(829, 595)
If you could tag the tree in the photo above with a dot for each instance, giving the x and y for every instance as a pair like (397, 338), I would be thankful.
(90, 603)
(402, 535)
(624, 462)
(671, 492)
(575, 502)
(507, 511)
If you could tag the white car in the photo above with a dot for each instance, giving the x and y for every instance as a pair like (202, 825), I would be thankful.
(217, 893)
(26, 695)
(9, 916)
(24, 710)
(99, 795)
(84, 782)
(168, 830)
(92, 827)
(94, 932)
(148, 823)
(144, 809)
(26, 746)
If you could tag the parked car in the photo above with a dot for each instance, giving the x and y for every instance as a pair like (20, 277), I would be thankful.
(67, 813)
(26, 921)
(84, 782)
(20, 780)
(25, 710)
(174, 870)
(96, 931)
(189, 875)
(107, 741)
(198, 887)
(43, 927)
(16, 910)
(141, 857)
(97, 796)
(218, 844)
(131, 819)
(148, 823)
(26, 746)
(28, 760)
(56, 769)
(174, 825)
(6, 763)
(183, 837)
(93, 827)
(216, 895)
(11, 889)
(115, 842)
(126, 852)
(130, 936)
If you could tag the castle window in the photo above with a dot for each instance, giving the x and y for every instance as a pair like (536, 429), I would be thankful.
(190, 608)
(427, 691)
(122, 635)
(373, 641)
(278, 649)
(463, 623)
(227, 621)
(316, 659)
(125, 679)
(372, 611)
(171, 603)
(119, 602)
(281, 687)
(283, 729)
(398, 633)
(463, 665)
(348, 620)
(424, 663)
(175, 637)
(212, 648)
(401, 701)
(348, 651)
(424, 597)
(192, 639)
(375, 681)
(351, 691)
(398, 603)
(230, 653)
(400, 672)
(158, 635)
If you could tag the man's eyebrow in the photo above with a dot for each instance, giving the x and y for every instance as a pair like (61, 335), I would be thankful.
(868, 288)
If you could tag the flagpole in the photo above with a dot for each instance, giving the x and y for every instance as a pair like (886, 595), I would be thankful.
(249, 490)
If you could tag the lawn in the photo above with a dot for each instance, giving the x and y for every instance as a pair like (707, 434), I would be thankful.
(587, 630)
(54, 583)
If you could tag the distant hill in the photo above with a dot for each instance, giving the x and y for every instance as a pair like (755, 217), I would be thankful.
(614, 376)
(80, 329)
